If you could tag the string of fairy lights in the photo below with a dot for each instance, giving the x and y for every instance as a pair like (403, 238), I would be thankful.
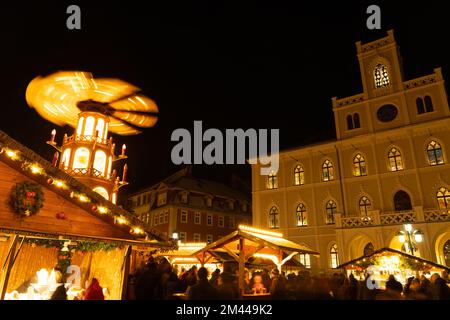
(36, 169)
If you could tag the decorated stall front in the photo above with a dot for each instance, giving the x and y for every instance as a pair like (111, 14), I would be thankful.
(51, 223)
(387, 261)
(248, 243)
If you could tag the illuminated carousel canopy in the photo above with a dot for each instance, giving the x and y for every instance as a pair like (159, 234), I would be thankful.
(61, 96)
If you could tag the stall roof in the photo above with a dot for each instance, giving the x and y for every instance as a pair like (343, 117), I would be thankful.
(386, 249)
(271, 240)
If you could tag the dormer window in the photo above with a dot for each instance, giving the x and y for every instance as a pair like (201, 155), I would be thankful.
(231, 204)
(161, 199)
(209, 202)
(244, 207)
(381, 76)
(184, 197)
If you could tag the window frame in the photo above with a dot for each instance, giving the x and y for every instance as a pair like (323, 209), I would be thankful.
(299, 175)
(399, 166)
(334, 256)
(274, 218)
(359, 162)
(327, 170)
(301, 215)
(184, 213)
(330, 210)
(433, 151)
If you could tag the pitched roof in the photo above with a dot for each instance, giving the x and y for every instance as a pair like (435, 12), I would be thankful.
(386, 249)
(29, 156)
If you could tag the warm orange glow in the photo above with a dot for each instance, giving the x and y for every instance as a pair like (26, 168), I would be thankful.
(55, 98)
(261, 231)
(83, 198)
(59, 184)
(36, 169)
(138, 230)
(13, 155)
(121, 220)
(102, 210)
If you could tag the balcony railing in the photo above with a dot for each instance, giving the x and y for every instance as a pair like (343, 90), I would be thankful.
(91, 172)
(376, 218)
(82, 138)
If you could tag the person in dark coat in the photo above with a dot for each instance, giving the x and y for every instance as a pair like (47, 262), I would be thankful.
(227, 289)
(353, 287)
(203, 290)
(214, 281)
(60, 293)
(146, 283)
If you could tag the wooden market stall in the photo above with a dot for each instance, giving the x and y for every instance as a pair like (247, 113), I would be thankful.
(248, 242)
(387, 261)
(50, 220)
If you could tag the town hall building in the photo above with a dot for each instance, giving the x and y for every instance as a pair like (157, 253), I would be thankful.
(388, 166)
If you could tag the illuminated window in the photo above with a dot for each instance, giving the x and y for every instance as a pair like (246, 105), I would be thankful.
(184, 197)
(80, 126)
(183, 236)
(209, 202)
(89, 127)
(334, 258)
(331, 209)
(359, 166)
(364, 206)
(434, 152)
(114, 198)
(446, 253)
(109, 167)
(381, 76)
(100, 161)
(301, 216)
(443, 198)
(209, 219)
(428, 104)
(395, 160)
(209, 238)
(221, 221)
(99, 129)
(184, 216)
(81, 158)
(327, 171)
(272, 182)
(273, 218)
(102, 191)
(65, 159)
(197, 237)
(197, 218)
(299, 175)
(305, 259)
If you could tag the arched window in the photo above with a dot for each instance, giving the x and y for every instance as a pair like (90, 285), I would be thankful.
(100, 161)
(395, 160)
(402, 201)
(272, 182)
(364, 206)
(331, 209)
(369, 249)
(305, 260)
(299, 175)
(80, 126)
(327, 171)
(65, 159)
(381, 76)
(447, 253)
(428, 104)
(99, 129)
(443, 198)
(81, 158)
(102, 191)
(359, 166)
(420, 106)
(349, 122)
(273, 218)
(89, 127)
(356, 121)
(334, 257)
(434, 152)
(302, 218)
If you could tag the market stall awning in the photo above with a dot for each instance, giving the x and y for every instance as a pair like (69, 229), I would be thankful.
(410, 261)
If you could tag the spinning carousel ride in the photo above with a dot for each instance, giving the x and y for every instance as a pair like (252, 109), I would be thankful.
(93, 107)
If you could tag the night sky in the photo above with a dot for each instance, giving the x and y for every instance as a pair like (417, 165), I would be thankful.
(259, 65)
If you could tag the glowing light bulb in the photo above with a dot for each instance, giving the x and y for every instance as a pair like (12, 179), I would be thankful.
(408, 227)
(102, 210)
(83, 198)
(35, 169)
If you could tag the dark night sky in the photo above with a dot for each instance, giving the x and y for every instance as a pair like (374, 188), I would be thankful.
(259, 65)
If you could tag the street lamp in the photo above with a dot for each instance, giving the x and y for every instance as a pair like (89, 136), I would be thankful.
(408, 236)
(175, 235)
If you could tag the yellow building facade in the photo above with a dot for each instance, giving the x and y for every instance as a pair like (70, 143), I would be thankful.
(389, 165)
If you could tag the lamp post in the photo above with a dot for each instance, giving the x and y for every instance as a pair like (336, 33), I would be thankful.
(409, 235)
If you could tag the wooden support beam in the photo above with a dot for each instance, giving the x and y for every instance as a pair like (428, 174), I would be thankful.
(125, 272)
(7, 266)
(232, 254)
(241, 266)
(259, 247)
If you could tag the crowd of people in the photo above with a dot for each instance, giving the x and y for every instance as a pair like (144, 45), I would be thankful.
(159, 280)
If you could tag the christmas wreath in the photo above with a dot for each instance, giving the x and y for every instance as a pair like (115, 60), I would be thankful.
(27, 198)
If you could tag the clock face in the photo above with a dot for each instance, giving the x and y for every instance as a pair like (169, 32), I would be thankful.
(387, 113)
